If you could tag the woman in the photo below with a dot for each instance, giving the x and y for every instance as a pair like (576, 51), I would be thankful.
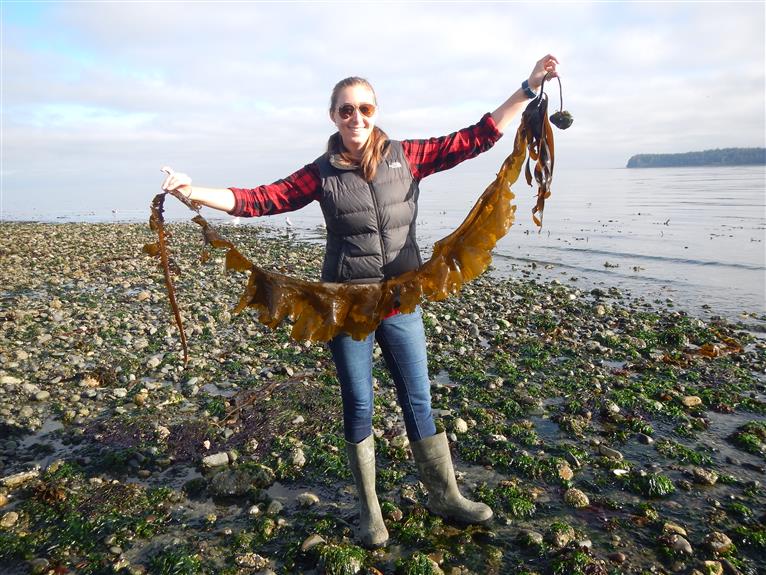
(367, 186)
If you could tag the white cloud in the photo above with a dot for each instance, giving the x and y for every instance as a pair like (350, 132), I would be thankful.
(240, 90)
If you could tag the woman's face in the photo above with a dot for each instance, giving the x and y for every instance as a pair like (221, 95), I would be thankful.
(355, 129)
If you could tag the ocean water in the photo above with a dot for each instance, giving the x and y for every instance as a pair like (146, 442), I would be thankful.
(694, 238)
(691, 237)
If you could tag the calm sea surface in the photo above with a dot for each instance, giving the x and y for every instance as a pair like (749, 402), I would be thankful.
(696, 236)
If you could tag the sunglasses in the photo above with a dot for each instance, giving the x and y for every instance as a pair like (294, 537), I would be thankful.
(347, 110)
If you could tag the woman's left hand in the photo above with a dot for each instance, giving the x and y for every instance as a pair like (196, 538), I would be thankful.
(546, 65)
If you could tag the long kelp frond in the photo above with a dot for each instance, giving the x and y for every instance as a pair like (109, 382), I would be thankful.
(320, 310)
(160, 249)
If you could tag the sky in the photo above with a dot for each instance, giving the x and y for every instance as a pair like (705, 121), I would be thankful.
(97, 96)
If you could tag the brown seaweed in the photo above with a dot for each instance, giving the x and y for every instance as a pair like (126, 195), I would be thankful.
(561, 119)
(320, 310)
(539, 137)
(160, 249)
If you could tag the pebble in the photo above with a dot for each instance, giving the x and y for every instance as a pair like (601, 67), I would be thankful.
(712, 568)
(572, 459)
(143, 295)
(645, 439)
(594, 346)
(565, 472)
(460, 425)
(691, 401)
(216, 460)
(408, 494)
(670, 527)
(307, 499)
(609, 453)
(497, 439)
(311, 541)
(719, 543)
(400, 441)
(18, 479)
(529, 537)
(251, 561)
(9, 519)
(611, 407)
(89, 381)
(585, 544)
(617, 557)
(680, 544)
(298, 458)
(394, 514)
(274, 508)
(560, 537)
(30, 389)
(576, 498)
(704, 476)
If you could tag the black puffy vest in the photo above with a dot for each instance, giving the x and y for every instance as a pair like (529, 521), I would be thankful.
(370, 225)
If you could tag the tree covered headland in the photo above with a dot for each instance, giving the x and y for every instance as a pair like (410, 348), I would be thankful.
(717, 157)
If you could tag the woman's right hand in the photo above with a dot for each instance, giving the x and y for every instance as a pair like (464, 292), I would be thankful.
(545, 65)
(177, 182)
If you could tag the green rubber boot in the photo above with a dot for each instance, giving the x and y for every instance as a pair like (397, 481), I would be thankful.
(434, 461)
(361, 458)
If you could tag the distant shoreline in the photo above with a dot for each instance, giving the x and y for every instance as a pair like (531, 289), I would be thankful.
(707, 158)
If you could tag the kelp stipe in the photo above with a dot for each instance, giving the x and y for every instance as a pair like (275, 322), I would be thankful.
(561, 119)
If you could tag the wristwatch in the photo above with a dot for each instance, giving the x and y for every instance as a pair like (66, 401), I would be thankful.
(528, 92)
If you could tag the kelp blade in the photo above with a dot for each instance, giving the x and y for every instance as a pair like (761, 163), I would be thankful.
(319, 311)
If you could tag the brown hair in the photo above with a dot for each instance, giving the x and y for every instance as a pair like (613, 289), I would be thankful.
(376, 145)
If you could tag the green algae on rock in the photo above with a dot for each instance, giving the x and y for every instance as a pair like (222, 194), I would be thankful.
(511, 382)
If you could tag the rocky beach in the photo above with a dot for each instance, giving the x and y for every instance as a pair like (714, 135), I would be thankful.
(609, 434)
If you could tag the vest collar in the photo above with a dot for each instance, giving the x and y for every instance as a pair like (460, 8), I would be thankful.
(337, 161)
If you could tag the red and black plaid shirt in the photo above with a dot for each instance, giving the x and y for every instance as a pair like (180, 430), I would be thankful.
(425, 157)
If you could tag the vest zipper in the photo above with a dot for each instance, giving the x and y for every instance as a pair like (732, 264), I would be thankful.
(377, 220)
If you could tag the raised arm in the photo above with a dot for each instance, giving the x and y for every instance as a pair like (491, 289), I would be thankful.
(286, 195)
(217, 198)
(516, 102)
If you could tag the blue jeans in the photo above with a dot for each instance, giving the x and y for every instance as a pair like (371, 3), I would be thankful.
(402, 340)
